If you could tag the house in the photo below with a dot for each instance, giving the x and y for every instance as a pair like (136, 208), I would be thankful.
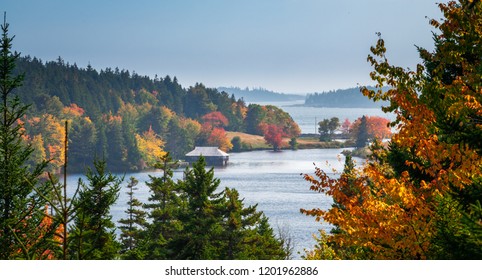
(213, 156)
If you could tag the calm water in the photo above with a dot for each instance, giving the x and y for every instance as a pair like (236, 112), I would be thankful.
(271, 180)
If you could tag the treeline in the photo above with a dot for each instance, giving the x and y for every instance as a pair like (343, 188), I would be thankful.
(260, 94)
(39, 219)
(124, 117)
(342, 98)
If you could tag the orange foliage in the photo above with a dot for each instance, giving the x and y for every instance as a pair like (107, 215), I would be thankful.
(218, 138)
(73, 110)
(385, 213)
(44, 227)
(110, 119)
(377, 127)
(215, 119)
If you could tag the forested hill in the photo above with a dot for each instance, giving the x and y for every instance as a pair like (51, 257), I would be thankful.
(260, 95)
(342, 98)
(125, 118)
(108, 90)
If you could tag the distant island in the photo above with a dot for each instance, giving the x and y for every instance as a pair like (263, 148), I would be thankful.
(342, 98)
(260, 94)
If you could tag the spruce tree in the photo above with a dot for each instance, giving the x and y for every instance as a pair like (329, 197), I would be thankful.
(133, 227)
(201, 222)
(93, 232)
(217, 225)
(246, 233)
(25, 231)
(164, 206)
(362, 135)
(237, 226)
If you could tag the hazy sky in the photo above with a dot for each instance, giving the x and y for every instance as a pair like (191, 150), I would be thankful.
(294, 46)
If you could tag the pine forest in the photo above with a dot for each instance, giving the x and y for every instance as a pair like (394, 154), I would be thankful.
(416, 194)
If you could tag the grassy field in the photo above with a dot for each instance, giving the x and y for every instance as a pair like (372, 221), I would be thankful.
(256, 142)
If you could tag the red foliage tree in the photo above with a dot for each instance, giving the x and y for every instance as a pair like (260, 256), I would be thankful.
(345, 127)
(215, 119)
(273, 135)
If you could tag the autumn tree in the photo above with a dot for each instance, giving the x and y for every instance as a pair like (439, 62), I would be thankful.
(419, 197)
(218, 138)
(23, 233)
(371, 128)
(215, 119)
(345, 127)
(150, 146)
(213, 133)
(273, 135)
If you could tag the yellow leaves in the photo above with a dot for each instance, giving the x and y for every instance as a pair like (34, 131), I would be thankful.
(150, 146)
(387, 210)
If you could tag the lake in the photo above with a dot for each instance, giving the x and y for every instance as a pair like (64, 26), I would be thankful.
(273, 179)
(270, 179)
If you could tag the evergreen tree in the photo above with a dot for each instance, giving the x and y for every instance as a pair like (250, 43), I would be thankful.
(246, 233)
(133, 227)
(83, 136)
(238, 226)
(217, 225)
(201, 222)
(164, 206)
(93, 232)
(267, 246)
(237, 145)
(362, 134)
(23, 231)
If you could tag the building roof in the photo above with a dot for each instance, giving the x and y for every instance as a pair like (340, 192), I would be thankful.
(207, 152)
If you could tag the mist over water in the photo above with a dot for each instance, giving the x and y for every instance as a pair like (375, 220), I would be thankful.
(272, 180)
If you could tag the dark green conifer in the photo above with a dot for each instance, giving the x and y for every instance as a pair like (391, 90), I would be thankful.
(201, 222)
(24, 232)
(93, 232)
(133, 227)
(362, 135)
(164, 206)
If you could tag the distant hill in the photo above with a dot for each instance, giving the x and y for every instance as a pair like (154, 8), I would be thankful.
(342, 98)
(259, 94)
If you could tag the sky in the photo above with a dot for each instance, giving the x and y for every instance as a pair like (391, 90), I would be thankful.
(289, 46)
